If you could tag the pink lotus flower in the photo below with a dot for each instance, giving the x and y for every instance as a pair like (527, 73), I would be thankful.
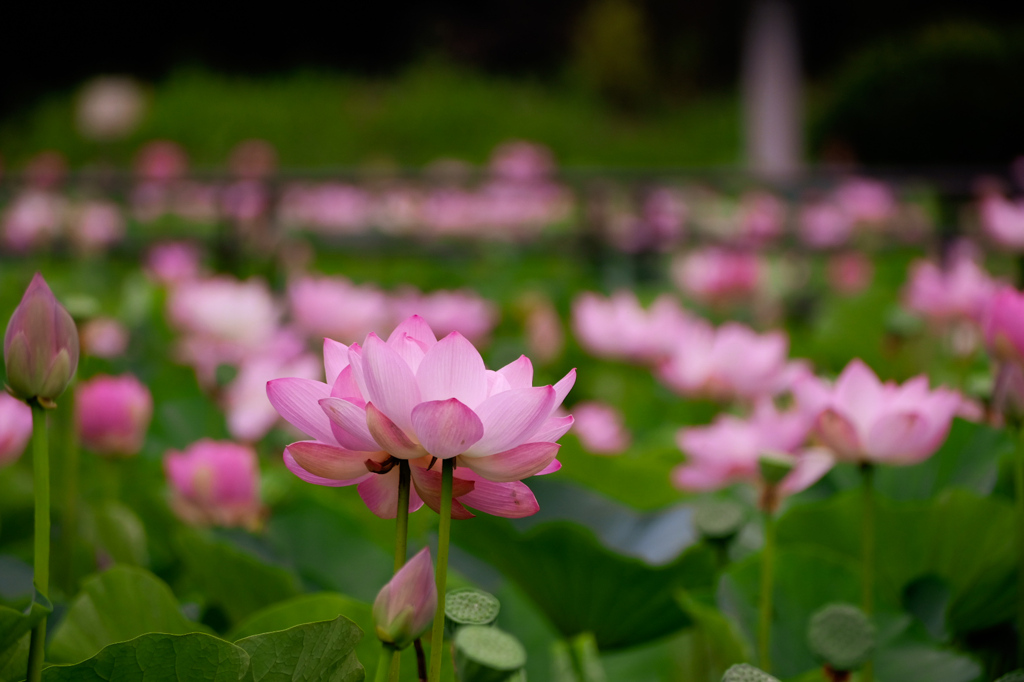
(335, 308)
(520, 161)
(173, 262)
(112, 414)
(15, 428)
(850, 273)
(33, 219)
(104, 337)
(450, 311)
(543, 329)
(728, 451)
(1004, 325)
(419, 399)
(161, 161)
(1003, 221)
(730, 362)
(762, 216)
(620, 328)
(824, 224)
(864, 420)
(600, 428)
(866, 200)
(404, 608)
(215, 483)
(960, 292)
(716, 276)
(97, 225)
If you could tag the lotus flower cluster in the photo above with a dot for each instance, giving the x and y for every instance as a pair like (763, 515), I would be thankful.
(415, 398)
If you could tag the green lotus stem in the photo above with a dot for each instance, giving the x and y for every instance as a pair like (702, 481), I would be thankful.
(41, 554)
(868, 550)
(401, 539)
(69, 517)
(1018, 476)
(384, 672)
(444, 532)
(764, 631)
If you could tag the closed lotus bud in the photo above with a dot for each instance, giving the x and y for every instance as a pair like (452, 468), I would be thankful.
(405, 607)
(113, 413)
(40, 346)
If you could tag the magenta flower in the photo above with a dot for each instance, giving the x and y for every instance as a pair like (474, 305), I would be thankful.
(961, 292)
(600, 428)
(1004, 325)
(728, 451)
(404, 608)
(40, 346)
(419, 399)
(864, 420)
(824, 224)
(173, 262)
(112, 414)
(620, 328)
(15, 428)
(215, 483)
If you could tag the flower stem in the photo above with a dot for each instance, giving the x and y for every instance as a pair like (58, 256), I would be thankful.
(764, 631)
(41, 554)
(1018, 475)
(69, 516)
(384, 664)
(402, 518)
(443, 537)
(868, 550)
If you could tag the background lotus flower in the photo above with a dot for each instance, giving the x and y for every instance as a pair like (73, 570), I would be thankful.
(961, 291)
(404, 608)
(864, 420)
(215, 483)
(335, 308)
(619, 327)
(450, 311)
(15, 428)
(1004, 325)
(40, 345)
(1003, 221)
(173, 262)
(104, 337)
(714, 275)
(599, 428)
(112, 414)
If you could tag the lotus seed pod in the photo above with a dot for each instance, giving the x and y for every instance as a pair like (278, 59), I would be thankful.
(1015, 676)
(469, 606)
(743, 672)
(775, 466)
(486, 654)
(842, 636)
(718, 519)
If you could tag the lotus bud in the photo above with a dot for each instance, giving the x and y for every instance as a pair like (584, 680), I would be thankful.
(404, 608)
(743, 672)
(842, 636)
(40, 346)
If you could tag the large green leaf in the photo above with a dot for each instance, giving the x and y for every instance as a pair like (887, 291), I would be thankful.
(158, 657)
(118, 532)
(714, 643)
(315, 651)
(114, 606)
(961, 538)
(233, 578)
(584, 587)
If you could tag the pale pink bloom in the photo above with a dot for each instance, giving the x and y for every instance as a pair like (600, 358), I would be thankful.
(824, 224)
(600, 428)
(173, 262)
(460, 311)
(866, 200)
(862, 419)
(450, 210)
(397, 209)
(161, 161)
(15, 428)
(404, 608)
(1004, 325)
(620, 328)
(519, 161)
(728, 451)
(215, 483)
(543, 330)
(331, 207)
(1003, 221)
(850, 273)
(335, 308)
(96, 225)
(103, 337)
(112, 414)
(33, 219)
(960, 292)
(419, 399)
(248, 411)
(109, 107)
(762, 216)
(731, 362)
(151, 200)
(713, 275)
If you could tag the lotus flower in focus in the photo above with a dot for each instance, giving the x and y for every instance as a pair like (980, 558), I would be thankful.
(215, 483)
(404, 608)
(415, 398)
(112, 414)
(864, 420)
(40, 346)
(620, 328)
(15, 428)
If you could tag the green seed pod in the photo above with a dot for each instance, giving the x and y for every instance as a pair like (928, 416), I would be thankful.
(842, 636)
(719, 520)
(742, 672)
(486, 654)
(775, 466)
(469, 606)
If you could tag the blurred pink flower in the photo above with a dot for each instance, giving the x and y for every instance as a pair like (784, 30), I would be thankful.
(1004, 325)
(1003, 221)
(173, 262)
(620, 328)
(714, 276)
(824, 224)
(850, 273)
(161, 161)
(731, 362)
(32, 220)
(461, 311)
(335, 308)
(215, 483)
(728, 451)
(15, 428)
(520, 161)
(416, 398)
(762, 216)
(404, 608)
(96, 225)
(543, 330)
(253, 159)
(109, 107)
(112, 414)
(245, 200)
(866, 200)
(600, 428)
(103, 337)
(960, 292)
(864, 420)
